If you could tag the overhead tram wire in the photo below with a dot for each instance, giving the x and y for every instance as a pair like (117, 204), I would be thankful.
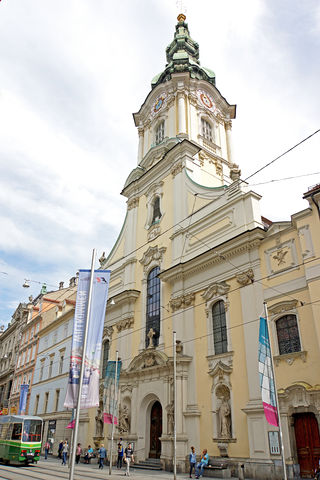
(218, 197)
(200, 337)
(282, 155)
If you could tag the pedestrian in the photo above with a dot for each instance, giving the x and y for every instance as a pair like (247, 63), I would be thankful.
(78, 453)
(102, 455)
(129, 458)
(203, 463)
(46, 449)
(65, 450)
(88, 455)
(120, 455)
(192, 461)
(60, 449)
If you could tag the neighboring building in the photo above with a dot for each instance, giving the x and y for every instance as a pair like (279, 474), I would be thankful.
(9, 346)
(51, 372)
(195, 256)
(41, 312)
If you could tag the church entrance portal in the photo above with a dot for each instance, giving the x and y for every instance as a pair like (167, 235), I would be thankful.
(308, 443)
(155, 430)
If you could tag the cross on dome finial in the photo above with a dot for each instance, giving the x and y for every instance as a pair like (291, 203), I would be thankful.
(182, 10)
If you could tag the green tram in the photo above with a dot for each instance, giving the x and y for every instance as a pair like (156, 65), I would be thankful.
(20, 439)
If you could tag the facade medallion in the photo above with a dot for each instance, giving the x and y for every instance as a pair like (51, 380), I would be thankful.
(207, 100)
(158, 104)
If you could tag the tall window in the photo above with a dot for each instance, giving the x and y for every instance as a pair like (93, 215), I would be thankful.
(160, 132)
(57, 400)
(41, 369)
(156, 214)
(106, 347)
(36, 405)
(219, 328)
(50, 366)
(288, 334)
(206, 129)
(61, 360)
(153, 306)
(46, 399)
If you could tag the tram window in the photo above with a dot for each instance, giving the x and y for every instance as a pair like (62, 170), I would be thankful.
(16, 432)
(32, 430)
(9, 431)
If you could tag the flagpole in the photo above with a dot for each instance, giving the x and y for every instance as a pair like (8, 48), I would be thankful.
(115, 395)
(174, 405)
(76, 423)
(276, 393)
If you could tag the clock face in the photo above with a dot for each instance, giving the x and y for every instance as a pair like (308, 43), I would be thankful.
(206, 100)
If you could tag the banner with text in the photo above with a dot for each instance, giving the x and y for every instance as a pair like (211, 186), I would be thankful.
(266, 375)
(109, 402)
(90, 386)
(23, 399)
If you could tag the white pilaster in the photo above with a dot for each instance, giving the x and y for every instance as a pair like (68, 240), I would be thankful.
(182, 127)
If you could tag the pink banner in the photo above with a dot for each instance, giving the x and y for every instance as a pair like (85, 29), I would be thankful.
(107, 418)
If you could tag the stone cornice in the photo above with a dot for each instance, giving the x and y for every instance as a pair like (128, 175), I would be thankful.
(123, 297)
(243, 243)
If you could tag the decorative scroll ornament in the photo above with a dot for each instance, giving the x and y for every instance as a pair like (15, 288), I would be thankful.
(245, 278)
(152, 254)
(184, 301)
(216, 290)
(133, 203)
(125, 323)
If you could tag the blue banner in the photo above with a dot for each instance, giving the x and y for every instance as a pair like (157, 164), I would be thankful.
(23, 399)
(109, 402)
(90, 387)
(266, 376)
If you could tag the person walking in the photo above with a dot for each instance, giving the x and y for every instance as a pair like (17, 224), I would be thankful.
(65, 450)
(102, 455)
(46, 449)
(120, 455)
(129, 458)
(203, 463)
(192, 461)
(60, 449)
(78, 453)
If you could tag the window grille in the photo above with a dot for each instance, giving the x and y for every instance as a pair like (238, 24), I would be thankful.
(206, 130)
(219, 328)
(288, 334)
(160, 132)
(153, 306)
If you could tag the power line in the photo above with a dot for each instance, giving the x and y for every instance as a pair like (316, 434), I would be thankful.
(282, 155)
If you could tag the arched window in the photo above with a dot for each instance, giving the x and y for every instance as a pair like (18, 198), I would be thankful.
(219, 328)
(288, 334)
(160, 132)
(156, 214)
(106, 347)
(206, 130)
(153, 306)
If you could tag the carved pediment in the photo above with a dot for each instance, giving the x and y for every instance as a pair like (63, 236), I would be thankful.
(152, 254)
(216, 290)
(220, 370)
(282, 307)
(148, 358)
(107, 332)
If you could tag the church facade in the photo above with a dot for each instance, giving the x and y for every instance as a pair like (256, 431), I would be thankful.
(196, 257)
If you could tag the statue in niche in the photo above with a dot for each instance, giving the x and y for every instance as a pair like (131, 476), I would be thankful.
(124, 424)
(224, 419)
(170, 416)
(99, 423)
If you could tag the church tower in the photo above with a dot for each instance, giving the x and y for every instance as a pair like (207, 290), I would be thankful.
(190, 238)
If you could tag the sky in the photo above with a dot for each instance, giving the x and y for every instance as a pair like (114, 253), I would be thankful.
(71, 75)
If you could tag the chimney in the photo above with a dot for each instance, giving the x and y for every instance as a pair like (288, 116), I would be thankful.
(72, 282)
(61, 285)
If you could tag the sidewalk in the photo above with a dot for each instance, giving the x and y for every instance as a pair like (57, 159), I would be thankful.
(138, 474)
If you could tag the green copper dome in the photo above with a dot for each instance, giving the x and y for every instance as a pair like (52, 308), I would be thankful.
(183, 56)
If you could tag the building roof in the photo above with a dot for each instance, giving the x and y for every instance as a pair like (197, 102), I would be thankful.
(183, 56)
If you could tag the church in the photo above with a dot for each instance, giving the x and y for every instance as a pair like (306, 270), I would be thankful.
(195, 256)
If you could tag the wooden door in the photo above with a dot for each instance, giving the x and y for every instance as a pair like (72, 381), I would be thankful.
(308, 443)
(155, 430)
